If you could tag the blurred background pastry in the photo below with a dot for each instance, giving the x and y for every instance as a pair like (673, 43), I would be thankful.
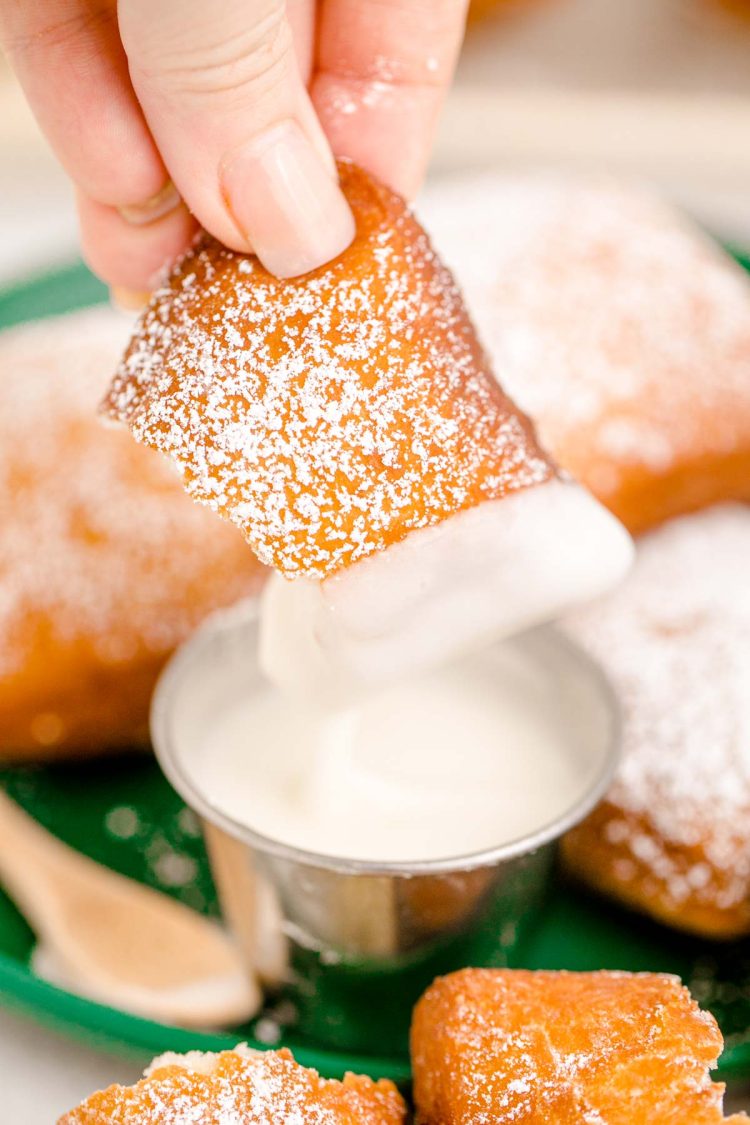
(105, 564)
(625, 333)
(618, 326)
(672, 837)
(482, 9)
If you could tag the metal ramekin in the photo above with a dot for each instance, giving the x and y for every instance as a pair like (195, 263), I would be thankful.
(353, 942)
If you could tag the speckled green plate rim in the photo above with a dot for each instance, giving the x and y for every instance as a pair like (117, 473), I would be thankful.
(114, 1030)
(579, 934)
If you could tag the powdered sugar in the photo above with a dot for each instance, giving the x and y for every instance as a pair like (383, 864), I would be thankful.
(620, 328)
(99, 547)
(242, 1087)
(495, 1047)
(331, 415)
(675, 640)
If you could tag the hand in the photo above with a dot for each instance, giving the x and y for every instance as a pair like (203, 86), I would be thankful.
(169, 114)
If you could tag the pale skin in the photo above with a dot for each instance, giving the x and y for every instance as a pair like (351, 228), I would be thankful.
(170, 115)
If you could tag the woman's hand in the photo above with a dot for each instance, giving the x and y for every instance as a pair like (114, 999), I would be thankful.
(170, 114)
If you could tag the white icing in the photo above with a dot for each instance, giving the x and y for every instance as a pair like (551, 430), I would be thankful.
(471, 756)
(485, 573)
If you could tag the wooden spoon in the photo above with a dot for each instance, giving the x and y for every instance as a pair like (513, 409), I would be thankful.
(117, 941)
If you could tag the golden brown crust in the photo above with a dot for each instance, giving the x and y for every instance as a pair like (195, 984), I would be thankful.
(618, 326)
(643, 499)
(504, 1046)
(105, 565)
(252, 1087)
(672, 839)
(329, 415)
(605, 860)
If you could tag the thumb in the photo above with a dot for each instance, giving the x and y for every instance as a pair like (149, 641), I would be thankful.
(222, 94)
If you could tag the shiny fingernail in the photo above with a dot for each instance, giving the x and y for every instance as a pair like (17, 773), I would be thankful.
(285, 202)
(159, 205)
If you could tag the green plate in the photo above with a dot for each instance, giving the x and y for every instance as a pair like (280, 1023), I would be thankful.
(124, 814)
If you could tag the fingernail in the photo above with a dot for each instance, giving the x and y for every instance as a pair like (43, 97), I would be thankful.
(285, 202)
(130, 300)
(159, 205)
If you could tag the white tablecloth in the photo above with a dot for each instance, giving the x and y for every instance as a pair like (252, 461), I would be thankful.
(42, 1075)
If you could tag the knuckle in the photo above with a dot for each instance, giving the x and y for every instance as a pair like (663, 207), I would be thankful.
(256, 56)
(64, 32)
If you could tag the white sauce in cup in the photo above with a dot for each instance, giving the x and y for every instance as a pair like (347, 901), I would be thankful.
(461, 759)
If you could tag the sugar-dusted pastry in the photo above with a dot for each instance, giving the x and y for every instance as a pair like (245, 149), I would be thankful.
(531, 1048)
(672, 838)
(349, 424)
(618, 326)
(241, 1087)
(104, 564)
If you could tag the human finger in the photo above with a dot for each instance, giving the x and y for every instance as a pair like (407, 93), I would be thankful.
(382, 70)
(225, 102)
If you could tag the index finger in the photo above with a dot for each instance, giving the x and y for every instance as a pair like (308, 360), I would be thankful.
(382, 70)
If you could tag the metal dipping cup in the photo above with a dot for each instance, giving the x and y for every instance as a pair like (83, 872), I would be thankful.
(353, 943)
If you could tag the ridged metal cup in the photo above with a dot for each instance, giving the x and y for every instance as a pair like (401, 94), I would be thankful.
(353, 942)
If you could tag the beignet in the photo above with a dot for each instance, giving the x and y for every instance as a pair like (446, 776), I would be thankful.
(105, 565)
(349, 424)
(531, 1048)
(672, 837)
(241, 1087)
(617, 325)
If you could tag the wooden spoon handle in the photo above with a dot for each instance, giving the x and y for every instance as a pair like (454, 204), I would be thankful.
(30, 857)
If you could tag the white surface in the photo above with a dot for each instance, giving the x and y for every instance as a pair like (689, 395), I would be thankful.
(38, 224)
(658, 89)
(43, 1075)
